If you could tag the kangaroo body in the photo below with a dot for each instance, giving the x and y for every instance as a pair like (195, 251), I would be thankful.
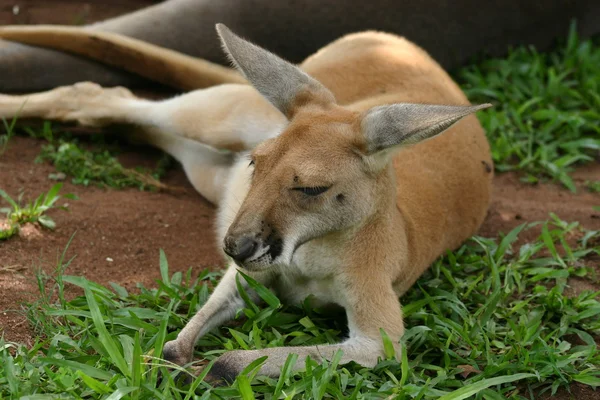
(337, 182)
(452, 31)
(386, 69)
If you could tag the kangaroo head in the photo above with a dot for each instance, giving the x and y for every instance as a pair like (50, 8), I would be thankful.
(327, 172)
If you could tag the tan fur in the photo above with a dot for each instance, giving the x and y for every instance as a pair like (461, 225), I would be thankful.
(388, 213)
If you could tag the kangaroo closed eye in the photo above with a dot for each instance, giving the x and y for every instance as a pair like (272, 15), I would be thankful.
(312, 191)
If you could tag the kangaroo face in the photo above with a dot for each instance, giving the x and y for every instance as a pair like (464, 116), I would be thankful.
(308, 182)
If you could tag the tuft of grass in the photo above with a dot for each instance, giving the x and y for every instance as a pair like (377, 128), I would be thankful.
(490, 320)
(33, 212)
(547, 108)
(9, 132)
(593, 186)
(97, 166)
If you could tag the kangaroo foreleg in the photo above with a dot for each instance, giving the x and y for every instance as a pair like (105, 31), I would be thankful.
(221, 307)
(370, 306)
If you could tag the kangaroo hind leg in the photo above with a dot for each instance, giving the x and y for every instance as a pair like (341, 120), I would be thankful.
(194, 128)
(231, 117)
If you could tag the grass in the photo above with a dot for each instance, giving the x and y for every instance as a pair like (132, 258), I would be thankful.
(97, 167)
(593, 186)
(488, 321)
(33, 212)
(9, 132)
(97, 164)
(547, 108)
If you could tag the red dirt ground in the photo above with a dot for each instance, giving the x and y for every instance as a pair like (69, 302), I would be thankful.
(127, 226)
(118, 234)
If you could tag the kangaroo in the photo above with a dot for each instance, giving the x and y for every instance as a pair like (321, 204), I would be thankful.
(333, 178)
(452, 31)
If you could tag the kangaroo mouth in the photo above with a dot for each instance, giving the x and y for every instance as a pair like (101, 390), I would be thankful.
(275, 247)
(264, 257)
(261, 253)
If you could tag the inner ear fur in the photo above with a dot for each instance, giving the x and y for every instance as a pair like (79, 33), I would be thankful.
(404, 124)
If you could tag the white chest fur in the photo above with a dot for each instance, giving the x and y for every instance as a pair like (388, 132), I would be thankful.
(311, 273)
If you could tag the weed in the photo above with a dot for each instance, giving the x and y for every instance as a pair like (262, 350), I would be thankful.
(547, 108)
(593, 186)
(488, 321)
(97, 166)
(9, 129)
(33, 212)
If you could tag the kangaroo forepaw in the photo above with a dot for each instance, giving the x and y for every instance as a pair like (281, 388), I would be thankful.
(174, 353)
(222, 372)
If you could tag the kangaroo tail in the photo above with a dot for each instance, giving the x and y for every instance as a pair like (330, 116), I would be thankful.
(150, 61)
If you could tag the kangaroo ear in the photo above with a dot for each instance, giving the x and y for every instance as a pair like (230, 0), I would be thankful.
(387, 128)
(283, 84)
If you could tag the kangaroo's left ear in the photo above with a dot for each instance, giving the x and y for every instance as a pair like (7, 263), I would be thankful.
(286, 86)
(387, 128)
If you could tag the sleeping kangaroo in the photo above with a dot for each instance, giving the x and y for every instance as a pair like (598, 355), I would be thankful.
(333, 178)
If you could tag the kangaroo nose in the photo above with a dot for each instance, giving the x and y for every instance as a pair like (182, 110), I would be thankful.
(241, 248)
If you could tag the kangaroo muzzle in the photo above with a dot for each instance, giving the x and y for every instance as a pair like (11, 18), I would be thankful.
(254, 250)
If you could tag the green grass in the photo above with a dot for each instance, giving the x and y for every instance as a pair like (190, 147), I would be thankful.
(547, 108)
(488, 321)
(593, 186)
(96, 164)
(9, 132)
(33, 212)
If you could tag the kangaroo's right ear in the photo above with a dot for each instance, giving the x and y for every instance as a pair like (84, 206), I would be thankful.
(283, 84)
